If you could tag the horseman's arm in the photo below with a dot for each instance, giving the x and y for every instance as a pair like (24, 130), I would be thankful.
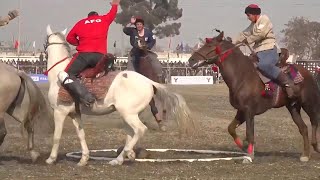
(72, 36)
(243, 35)
(6, 19)
(151, 41)
(111, 15)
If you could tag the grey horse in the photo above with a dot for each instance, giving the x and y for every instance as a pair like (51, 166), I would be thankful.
(22, 99)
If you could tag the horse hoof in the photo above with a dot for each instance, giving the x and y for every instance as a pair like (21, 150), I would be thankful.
(50, 160)
(115, 162)
(247, 161)
(34, 156)
(304, 159)
(131, 155)
(82, 163)
(162, 127)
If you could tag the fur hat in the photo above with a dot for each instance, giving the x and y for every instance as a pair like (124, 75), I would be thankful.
(253, 9)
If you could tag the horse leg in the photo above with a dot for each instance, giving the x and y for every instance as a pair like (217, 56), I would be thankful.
(3, 130)
(249, 118)
(237, 121)
(119, 160)
(314, 115)
(303, 129)
(59, 117)
(81, 134)
(139, 129)
(34, 154)
(157, 115)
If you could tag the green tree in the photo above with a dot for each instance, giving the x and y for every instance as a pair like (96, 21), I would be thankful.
(159, 15)
(302, 38)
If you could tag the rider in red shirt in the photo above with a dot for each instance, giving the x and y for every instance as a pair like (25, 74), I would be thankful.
(90, 35)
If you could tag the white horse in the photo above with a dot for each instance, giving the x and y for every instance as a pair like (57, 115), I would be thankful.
(129, 94)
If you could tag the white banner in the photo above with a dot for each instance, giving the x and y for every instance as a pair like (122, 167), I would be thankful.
(191, 80)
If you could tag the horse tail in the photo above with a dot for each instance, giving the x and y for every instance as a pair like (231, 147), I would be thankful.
(38, 107)
(177, 106)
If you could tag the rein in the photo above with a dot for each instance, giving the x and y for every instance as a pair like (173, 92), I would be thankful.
(221, 55)
(47, 71)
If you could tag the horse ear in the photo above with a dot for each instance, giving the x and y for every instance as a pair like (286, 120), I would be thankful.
(64, 31)
(220, 37)
(49, 31)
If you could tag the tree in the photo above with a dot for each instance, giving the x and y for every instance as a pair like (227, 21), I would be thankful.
(302, 38)
(156, 14)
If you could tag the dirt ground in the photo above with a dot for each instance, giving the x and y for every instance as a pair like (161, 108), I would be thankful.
(278, 146)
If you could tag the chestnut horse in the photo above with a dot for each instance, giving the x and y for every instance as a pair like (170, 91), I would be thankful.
(245, 87)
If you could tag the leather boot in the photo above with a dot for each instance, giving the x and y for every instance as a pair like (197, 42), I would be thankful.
(286, 82)
(79, 92)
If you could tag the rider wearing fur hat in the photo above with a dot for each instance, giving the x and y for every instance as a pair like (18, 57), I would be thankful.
(260, 33)
(136, 33)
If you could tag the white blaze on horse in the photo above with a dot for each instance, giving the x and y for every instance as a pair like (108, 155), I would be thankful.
(129, 93)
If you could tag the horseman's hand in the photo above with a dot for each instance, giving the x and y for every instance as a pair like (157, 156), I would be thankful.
(142, 47)
(115, 2)
(245, 41)
(13, 14)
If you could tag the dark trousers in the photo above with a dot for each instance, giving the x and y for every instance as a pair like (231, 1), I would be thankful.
(81, 62)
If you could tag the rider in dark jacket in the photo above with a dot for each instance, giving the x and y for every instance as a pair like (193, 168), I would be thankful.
(136, 33)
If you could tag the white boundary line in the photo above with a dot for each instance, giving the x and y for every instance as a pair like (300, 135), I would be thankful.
(241, 155)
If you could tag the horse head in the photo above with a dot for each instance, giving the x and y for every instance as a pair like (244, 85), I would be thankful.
(209, 51)
(56, 46)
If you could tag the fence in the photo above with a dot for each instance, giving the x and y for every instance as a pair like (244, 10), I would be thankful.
(168, 71)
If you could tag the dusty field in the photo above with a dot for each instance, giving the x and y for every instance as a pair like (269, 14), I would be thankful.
(278, 146)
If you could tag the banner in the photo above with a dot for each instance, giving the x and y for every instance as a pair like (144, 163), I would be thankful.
(191, 80)
(39, 78)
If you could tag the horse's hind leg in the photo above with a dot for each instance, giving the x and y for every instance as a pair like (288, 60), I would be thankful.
(34, 154)
(237, 121)
(3, 130)
(139, 129)
(81, 134)
(303, 129)
(119, 160)
(314, 115)
(156, 113)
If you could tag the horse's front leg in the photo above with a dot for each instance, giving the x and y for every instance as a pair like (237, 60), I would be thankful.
(237, 121)
(249, 118)
(156, 114)
(80, 132)
(59, 117)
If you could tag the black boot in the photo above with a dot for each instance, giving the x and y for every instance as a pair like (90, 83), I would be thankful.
(286, 82)
(80, 93)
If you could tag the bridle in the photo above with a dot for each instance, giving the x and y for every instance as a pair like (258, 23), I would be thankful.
(222, 55)
(47, 44)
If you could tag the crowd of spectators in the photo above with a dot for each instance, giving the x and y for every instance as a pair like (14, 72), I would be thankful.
(169, 69)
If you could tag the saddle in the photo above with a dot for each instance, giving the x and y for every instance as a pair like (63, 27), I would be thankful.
(288, 69)
(282, 64)
(97, 79)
